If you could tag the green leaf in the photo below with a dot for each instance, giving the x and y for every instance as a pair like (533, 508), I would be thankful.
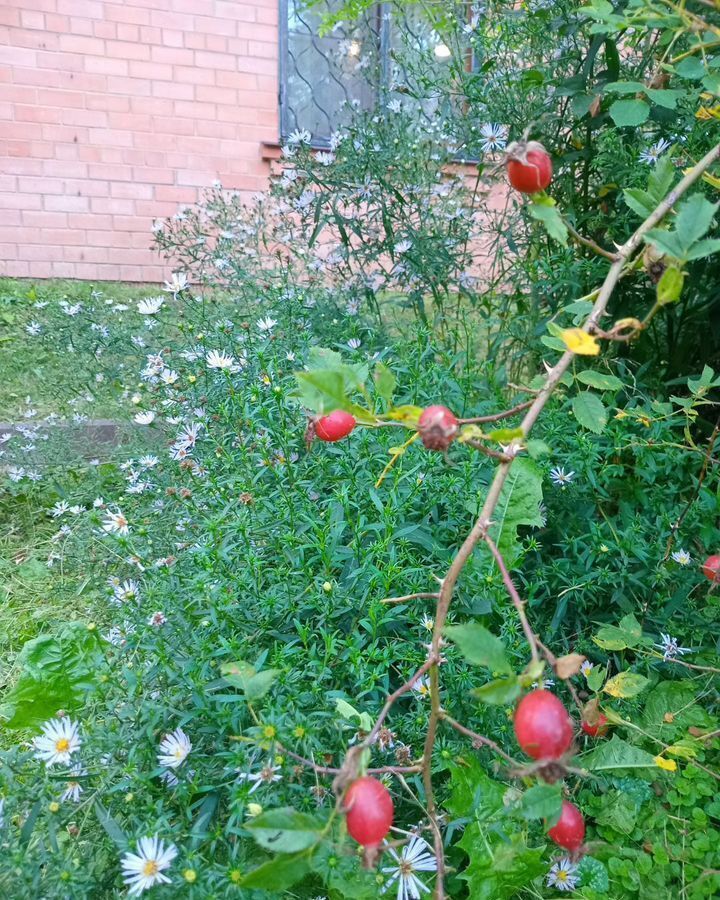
(599, 380)
(670, 285)
(668, 99)
(55, 673)
(703, 248)
(694, 219)
(624, 87)
(286, 830)
(588, 409)
(384, 382)
(110, 826)
(505, 435)
(518, 505)
(629, 112)
(616, 754)
(626, 684)
(205, 814)
(542, 801)
(501, 692)
(628, 633)
(691, 68)
(29, 823)
(551, 220)
(242, 675)
(537, 448)
(473, 791)
(279, 873)
(594, 875)
(639, 201)
(501, 866)
(347, 711)
(479, 646)
(596, 678)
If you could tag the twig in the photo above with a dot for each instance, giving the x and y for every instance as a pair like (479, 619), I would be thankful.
(477, 420)
(703, 472)
(587, 242)
(480, 527)
(493, 454)
(476, 738)
(420, 596)
(514, 596)
(552, 662)
(331, 770)
(403, 689)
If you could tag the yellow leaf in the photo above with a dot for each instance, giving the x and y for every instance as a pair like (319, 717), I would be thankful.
(669, 765)
(580, 342)
(712, 180)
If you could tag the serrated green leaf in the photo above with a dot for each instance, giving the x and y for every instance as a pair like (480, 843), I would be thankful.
(666, 98)
(596, 678)
(639, 201)
(550, 218)
(279, 873)
(625, 685)
(519, 504)
(616, 754)
(624, 87)
(479, 646)
(285, 830)
(589, 411)
(627, 633)
(625, 113)
(537, 448)
(385, 381)
(670, 285)
(500, 692)
(691, 68)
(703, 248)
(541, 801)
(600, 380)
(505, 435)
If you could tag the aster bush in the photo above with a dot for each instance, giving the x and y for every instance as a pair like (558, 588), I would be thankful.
(260, 615)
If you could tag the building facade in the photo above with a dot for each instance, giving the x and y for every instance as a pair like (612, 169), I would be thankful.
(115, 113)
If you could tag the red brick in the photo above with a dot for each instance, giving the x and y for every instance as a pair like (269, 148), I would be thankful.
(192, 75)
(127, 32)
(106, 66)
(90, 117)
(109, 102)
(44, 219)
(91, 9)
(127, 50)
(215, 61)
(29, 19)
(77, 43)
(67, 204)
(173, 90)
(173, 56)
(126, 13)
(151, 70)
(63, 168)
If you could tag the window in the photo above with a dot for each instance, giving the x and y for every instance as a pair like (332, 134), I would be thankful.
(321, 77)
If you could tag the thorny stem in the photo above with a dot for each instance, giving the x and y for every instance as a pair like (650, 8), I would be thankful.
(496, 417)
(479, 532)
(588, 242)
(480, 527)
(332, 770)
(515, 597)
(477, 738)
(423, 595)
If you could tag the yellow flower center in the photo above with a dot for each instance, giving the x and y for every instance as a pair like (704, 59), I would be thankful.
(269, 731)
(562, 876)
(62, 745)
(179, 753)
(150, 868)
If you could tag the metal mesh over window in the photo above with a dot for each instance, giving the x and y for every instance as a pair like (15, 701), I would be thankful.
(322, 78)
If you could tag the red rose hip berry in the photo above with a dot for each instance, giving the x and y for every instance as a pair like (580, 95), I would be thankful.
(542, 725)
(438, 427)
(369, 811)
(570, 829)
(711, 568)
(334, 426)
(529, 167)
(598, 729)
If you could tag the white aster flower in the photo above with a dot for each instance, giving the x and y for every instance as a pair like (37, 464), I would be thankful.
(218, 359)
(586, 667)
(149, 461)
(149, 306)
(266, 775)
(494, 137)
(325, 159)
(157, 619)
(174, 749)
(266, 324)
(60, 508)
(168, 376)
(563, 875)
(144, 869)
(560, 477)
(144, 418)
(299, 137)
(354, 343)
(126, 591)
(670, 648)
(416, 856)
(681, 557)
(73, 788)
(116, 523)
(33, 328)
(422, 686)
(653, 154)
(178, 283)
(58, 741)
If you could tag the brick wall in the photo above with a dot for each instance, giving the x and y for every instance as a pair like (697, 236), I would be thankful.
(114, 113)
